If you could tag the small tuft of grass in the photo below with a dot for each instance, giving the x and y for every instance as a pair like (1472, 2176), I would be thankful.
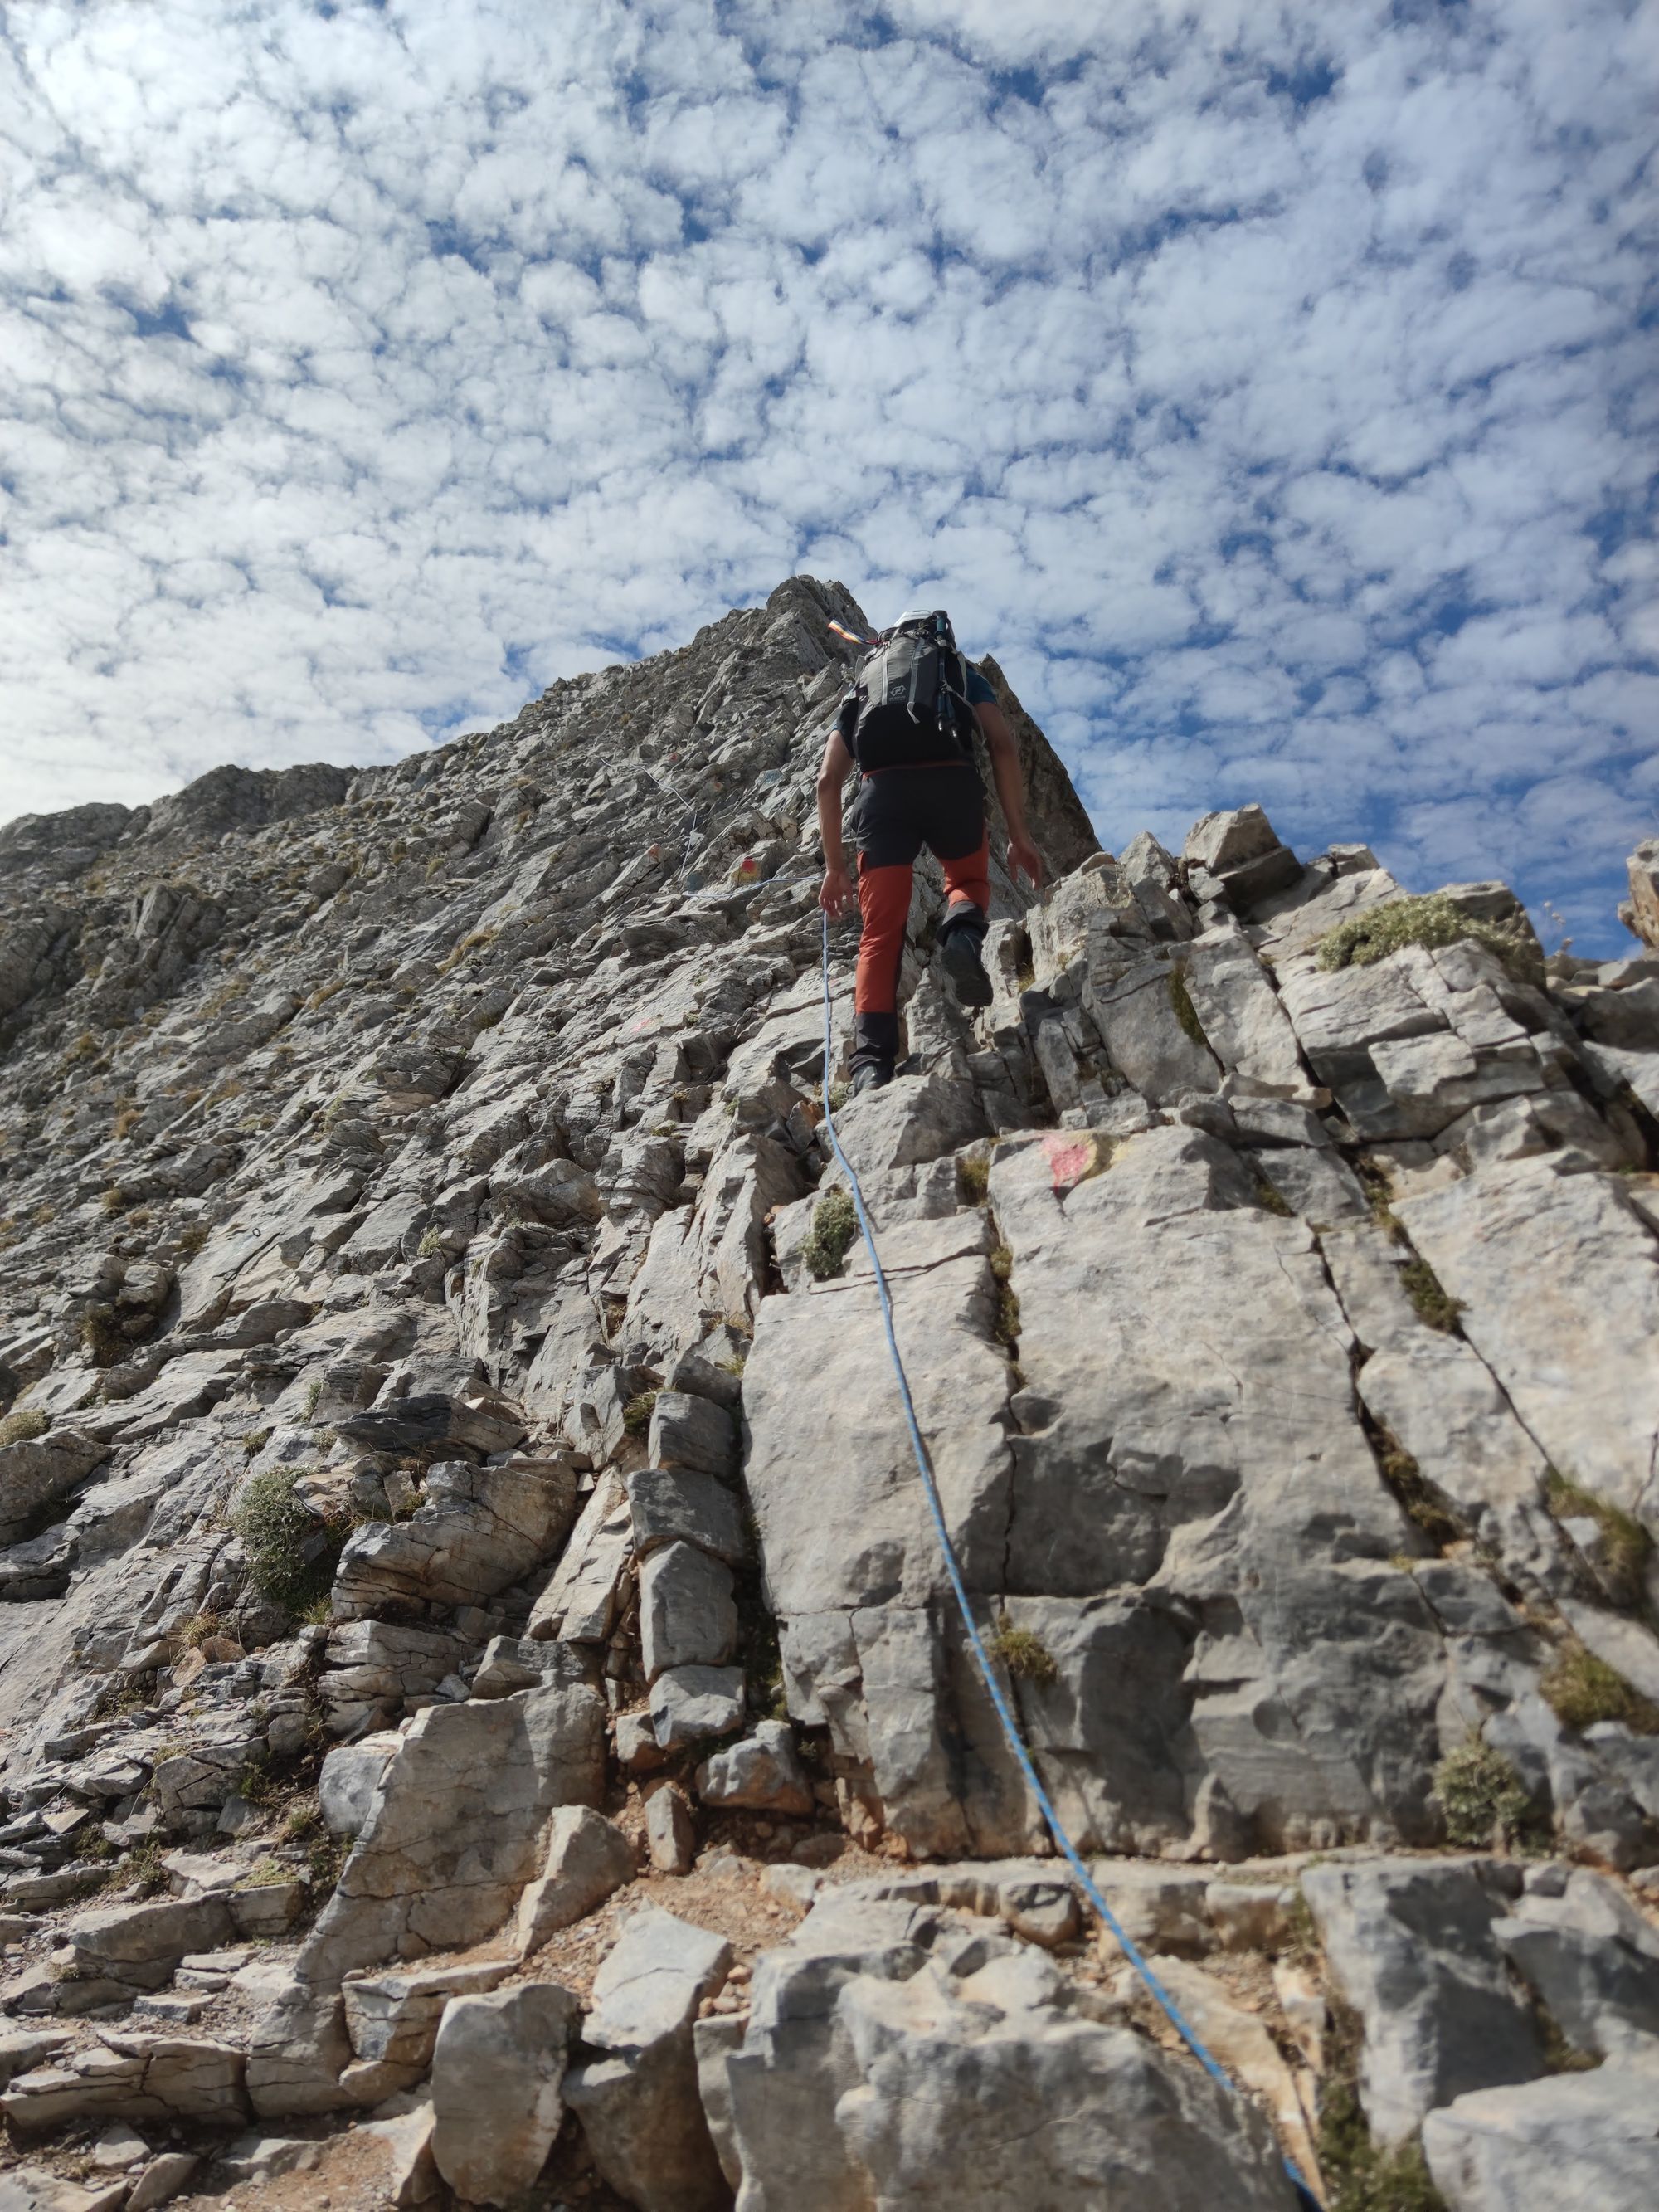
(1625, 1544)
(431, 1244)
(1022, 1653)
(1185, 1011)
(1272, 1201)
(191, 1238)
(1483, 1798)
(1422, 1504)
(1581, 1689)
(1430, 1302)
(1430, 921)
(973, 1178)
(1560, 2056)
(269, 1874)
(636, 1413)
(23, 1426)
(835, 1224)
(113, 1200)
(1001, 1264)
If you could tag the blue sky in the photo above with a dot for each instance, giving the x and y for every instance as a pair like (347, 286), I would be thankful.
(1271, 387)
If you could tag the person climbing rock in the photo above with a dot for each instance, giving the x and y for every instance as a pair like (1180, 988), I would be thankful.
(907, 723)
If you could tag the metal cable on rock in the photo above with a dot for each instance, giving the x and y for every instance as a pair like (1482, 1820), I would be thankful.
(982, 1659)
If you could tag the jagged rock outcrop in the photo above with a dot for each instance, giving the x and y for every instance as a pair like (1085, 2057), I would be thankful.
(455, 1506)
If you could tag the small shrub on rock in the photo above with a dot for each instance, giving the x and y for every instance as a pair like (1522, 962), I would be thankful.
(291, 1554)
(1482, 1797)
(1428, 921)
(22, 1426)
(835, 1224)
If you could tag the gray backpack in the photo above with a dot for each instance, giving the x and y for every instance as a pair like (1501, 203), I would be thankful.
(912, 697)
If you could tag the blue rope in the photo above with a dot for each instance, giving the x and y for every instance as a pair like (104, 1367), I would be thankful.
(1016, 1743)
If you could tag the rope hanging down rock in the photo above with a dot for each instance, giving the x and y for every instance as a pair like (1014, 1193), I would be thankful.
(1056, 1827)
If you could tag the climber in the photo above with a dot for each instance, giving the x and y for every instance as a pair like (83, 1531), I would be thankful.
(907, 723)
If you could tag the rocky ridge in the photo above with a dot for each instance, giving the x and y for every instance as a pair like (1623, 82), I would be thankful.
(482, 1716)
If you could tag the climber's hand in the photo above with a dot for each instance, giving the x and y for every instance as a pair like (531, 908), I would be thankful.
(1022, 855)
(835, 894)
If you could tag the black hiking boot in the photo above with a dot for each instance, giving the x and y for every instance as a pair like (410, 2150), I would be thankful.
(960, 953)
(870, 1077)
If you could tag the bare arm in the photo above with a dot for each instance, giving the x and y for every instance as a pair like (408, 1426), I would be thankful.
(833, 771)
(1005, 769)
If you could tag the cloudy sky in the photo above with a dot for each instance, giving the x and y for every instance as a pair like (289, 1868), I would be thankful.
(1271, 386)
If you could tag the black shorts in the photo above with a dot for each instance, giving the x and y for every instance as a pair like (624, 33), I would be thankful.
(899, 809)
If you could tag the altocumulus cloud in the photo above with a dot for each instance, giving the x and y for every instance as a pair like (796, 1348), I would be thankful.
(1269, 385)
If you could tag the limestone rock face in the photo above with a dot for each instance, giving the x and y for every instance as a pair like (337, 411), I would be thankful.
(449, 1443)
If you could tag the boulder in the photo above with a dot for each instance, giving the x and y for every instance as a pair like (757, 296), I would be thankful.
(671, 1834)
(452, 1833)
(429, 1419)
(297, 2052)
(496, 2075)
(587, 1857)
(1593, 1962)
(764, 1772)
(349, 1775)
(140, 1944)
(1239, 1012)
(1238, 852)
(1165, 1444)
(639, 2104)
(478, 1530)
(375, 1667)
(579, 1601)
(392, 2022)
(35, 1472)
(886, 2049)
(692, 1432)
(1643, 868)
(1572, 2139)
(690, 1702)
(680, 1505)
(688, 1615)
(127, 2076)
(1409, 1945)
